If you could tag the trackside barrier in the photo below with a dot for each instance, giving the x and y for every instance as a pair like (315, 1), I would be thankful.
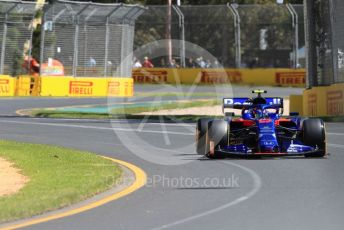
(264, 77)
(86, 87)
(123, 87)
(324, 101)
(65, 86)
(27, 86)
(23, 86)
(296, 104)
(7, 86)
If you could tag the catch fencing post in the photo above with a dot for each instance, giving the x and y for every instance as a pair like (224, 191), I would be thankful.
(182, 35)
(234, 11)
(295, 26)
(76, 38)
(107, 39)
(335, 48)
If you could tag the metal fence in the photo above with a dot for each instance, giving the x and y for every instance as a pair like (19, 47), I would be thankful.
(92, 39)
(325, 23)
(338, 39)
(15, 35)
(89, 39)
(152, 25)
(237, 35)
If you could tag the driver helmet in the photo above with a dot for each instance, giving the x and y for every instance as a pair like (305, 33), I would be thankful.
(257, 113)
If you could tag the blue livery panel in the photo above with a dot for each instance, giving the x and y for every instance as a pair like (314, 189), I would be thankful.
(243, 102)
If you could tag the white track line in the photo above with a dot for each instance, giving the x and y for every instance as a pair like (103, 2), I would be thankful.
(254, 175)
(336, 134)
(256, 178)
(93, 127)
(336, 145)
(256, 187)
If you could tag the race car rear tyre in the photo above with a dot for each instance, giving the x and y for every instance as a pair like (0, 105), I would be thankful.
(313, 131)
(217, 135)
(201, 131)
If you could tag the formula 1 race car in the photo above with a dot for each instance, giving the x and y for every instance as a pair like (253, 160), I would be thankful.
(261, 130)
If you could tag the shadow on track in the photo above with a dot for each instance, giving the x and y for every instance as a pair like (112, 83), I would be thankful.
(259, 158)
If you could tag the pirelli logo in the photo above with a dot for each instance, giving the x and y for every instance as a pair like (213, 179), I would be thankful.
(335, 103)
(81, 88)
(128, 89)
(150, 76)
(4, 86)
(290, 78)
(114, 88)
(312, 104)
(219, 77)
(117, 88)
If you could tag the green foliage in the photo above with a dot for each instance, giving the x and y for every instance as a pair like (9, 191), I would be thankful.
(36, 43)
(212, 28)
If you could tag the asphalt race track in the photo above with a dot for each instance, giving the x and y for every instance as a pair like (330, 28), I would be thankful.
(185, 190)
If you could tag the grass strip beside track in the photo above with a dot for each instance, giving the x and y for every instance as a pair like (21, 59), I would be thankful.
(177, 94)
(166, 118)
(133, 112)
(165, 106)
(58, 177)
(333, 118)
(65, 114)
(127, 112)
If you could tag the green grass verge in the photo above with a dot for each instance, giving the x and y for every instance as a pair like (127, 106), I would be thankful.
(164, 106)
(126, 112)
(172, 118)
(166, 118)
(62, 114)
(333, 119)
(57, 176)
(177, 94)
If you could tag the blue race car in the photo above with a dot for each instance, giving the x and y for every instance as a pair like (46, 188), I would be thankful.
(261, 130)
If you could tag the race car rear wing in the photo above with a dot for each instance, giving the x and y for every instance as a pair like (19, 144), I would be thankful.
(244, 102)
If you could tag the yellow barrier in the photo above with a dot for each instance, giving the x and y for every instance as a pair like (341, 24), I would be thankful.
(7, 86)
(86, 87)
(23, 86)
(120, 87)
(123, 87)
(296, 104)
(155, 75)
(28, 86)
(65, 86)
(267, 77)
(324, 101)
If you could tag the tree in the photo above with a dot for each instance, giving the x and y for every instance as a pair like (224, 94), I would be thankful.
(212, 28)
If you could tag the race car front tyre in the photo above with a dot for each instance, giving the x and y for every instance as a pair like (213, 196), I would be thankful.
(217, 135)
(201, 131)
(313, 132)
